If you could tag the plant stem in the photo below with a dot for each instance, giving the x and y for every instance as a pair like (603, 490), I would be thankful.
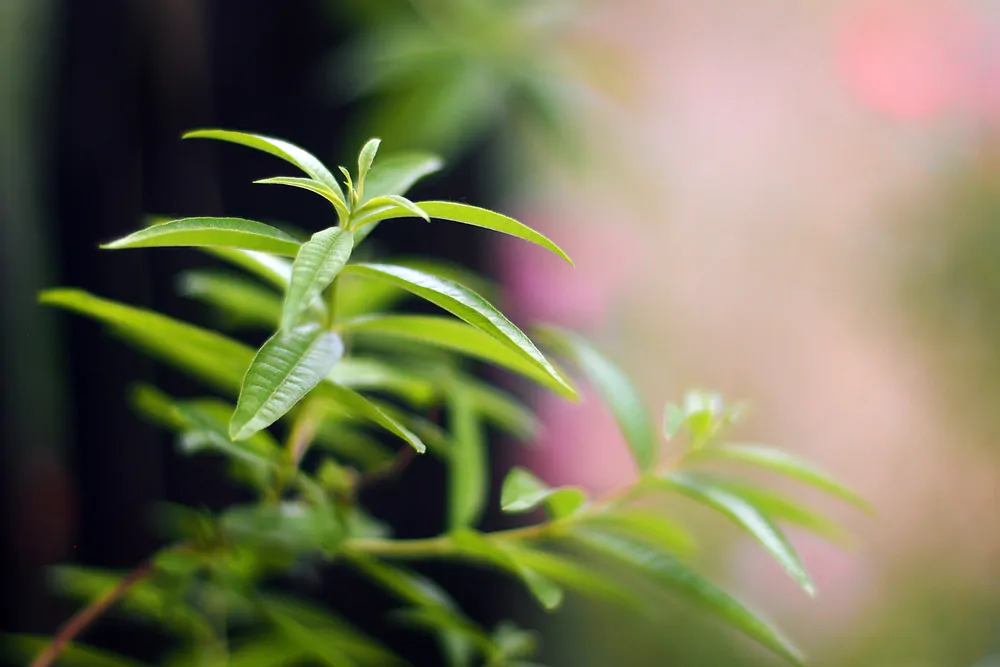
(79, 622)
(332, 301)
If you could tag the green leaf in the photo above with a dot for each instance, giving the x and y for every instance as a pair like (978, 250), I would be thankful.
(501, 409)
(747, 517)
(360, 407)
(477, 546)
(615, 388)
(563, 571)
(348, 443)
(285, 369)
(480, 217)
(206, 354)
(27, 647)
(785, 510)
(673, 420)
(266, 650)
(387, 207)
(301, 158)
(292, 527)
(275, 270)
(652, 527)
(363, 373)
(693, 586)
(244, 302)
(312, 185)
(319, 261)
(466, 305)
(449, 334)
(468, 467)
(317, 644)
(365, 159)
(782, 462)
(523, 492)
(211, 232)
(396, 174)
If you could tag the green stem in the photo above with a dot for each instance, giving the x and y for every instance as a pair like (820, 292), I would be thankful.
(332, 304)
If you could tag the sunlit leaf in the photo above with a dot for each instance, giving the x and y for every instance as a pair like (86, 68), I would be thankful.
(468, 466)
(747, 517)
(319, 261)
(206, 354)
(211, 232)
(523, 492)
(614, 387)
(465, 339)
(681, 579)
(387, 207)
(361, 407)
(312, 185)
(780, 461)
(288, 366)
(365, 159)
(301, 158)
(481, 217)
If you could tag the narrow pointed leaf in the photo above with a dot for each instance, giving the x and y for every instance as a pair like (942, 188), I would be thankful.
(363, 373)
(747, 517)
(275, 270)
(481, 217)
(312, 185)
(502, 410)
(205, 354)
(678, 577)
(365, 159)
(211, 232)
(468, 469)
(244, 302)
(395, 174)
(386, 207)
(458, 337)
(651, 527)
(782, 462)
(317, 644)
(615, 388)
(301, 158)
(476, 546)
(285, 369)
(465, 304)
(360, 407)
(27, 647)
(319, 261)
(523, 492)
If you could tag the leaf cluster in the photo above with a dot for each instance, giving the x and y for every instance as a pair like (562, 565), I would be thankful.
(343, 392)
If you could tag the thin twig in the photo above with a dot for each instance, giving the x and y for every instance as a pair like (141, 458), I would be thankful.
(79, 622)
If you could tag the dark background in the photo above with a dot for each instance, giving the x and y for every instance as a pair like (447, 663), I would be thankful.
(81, 472)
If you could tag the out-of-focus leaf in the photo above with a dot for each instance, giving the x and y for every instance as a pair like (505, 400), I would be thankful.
(476, 546)
(371, 374)
(292, 527)
(678, 577)
(501, 409)
(782, 462)
(481, 217)
(357, 296)
(27, 647)
(318, 645)
(652, 527)
(301, 158)
(351, 444)
(395, 174)
(211, 232)
(746, 516)
(563, 571)
(523, 492)
(785, 510)
(312, 185)
(452, 335)
(468, 468)
(205, 354)
(614, 387)
(266, 650)
(275, 270)
(328, 626)
(285, 369)
(467, 305)
(673, 420)
(360, 407)
(319, 261)
(411, 587)
(514, 642)
(245, 302)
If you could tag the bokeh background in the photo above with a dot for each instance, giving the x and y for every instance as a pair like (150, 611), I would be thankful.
(797, 203)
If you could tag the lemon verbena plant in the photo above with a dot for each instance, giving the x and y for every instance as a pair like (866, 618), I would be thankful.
(340, 394)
